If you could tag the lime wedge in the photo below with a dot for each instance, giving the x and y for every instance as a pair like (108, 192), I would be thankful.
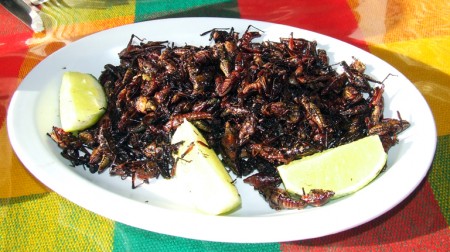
(344, 169)
(200, 170)
(82, 101)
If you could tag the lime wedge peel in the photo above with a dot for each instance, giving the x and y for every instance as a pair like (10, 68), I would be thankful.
(82, 101)
(344, 169)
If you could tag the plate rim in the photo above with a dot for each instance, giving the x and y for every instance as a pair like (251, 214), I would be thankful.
(221, 221)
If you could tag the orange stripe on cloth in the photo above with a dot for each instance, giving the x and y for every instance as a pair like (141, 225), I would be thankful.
(387, 21)
(15, 180)
(48, 222)
(415, 19)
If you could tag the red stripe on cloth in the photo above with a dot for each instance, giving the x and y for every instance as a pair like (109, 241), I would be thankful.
(12, 38)
(416, 223)
(13, 49)
(333, 18)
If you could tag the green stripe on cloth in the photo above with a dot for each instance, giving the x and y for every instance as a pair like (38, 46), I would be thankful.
(146, 10)
(128, 238)
(439, 176)
(66, 226)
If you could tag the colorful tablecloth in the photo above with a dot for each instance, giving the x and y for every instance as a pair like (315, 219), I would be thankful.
(412, 35)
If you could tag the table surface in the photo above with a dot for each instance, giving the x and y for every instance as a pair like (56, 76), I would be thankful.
(413, 36)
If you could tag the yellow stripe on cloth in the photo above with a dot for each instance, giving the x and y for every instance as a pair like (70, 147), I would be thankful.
(15, 180)
(413, 19)
(425, 63)
(48, 222)
(54, 14)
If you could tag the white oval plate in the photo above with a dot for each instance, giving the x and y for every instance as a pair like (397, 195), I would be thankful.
(161, 205)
